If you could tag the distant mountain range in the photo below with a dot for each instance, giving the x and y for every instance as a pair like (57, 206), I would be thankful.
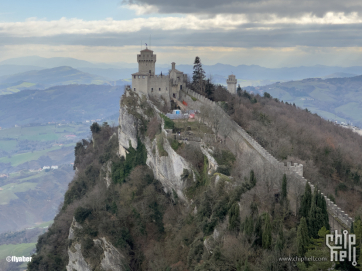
(334, 98)
(69, 103)
(247, 75)
(42, 79)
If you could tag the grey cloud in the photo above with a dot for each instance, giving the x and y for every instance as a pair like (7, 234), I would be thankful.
(250, 7)
(247, 36)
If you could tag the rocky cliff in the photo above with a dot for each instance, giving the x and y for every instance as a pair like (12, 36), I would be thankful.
(110, 259)
(168, 167)
(143, 200)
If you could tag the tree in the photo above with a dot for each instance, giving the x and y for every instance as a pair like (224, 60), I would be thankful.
(258, 230)
(267, 95)
(234, 217)
(198, 75)
(95, 128)
(284, 187)
(209, 89)
(306, 201)
(280, 240)
(252, 178)
(267, 235)
(316, 218)
(302, 237)
(239, 91)
(318, 249)
(323, 205)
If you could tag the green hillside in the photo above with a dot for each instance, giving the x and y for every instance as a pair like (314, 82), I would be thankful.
(60, 103)
(41, 79)
(32, 194)
(335, 98)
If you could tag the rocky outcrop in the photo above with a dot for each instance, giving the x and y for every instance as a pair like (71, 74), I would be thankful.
(110, 260)
(107, 173)
(76, 259)
(127, 131)
(167, 169)
(212, 162)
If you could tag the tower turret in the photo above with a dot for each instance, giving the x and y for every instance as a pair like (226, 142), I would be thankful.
(146, 61)
(231, 84)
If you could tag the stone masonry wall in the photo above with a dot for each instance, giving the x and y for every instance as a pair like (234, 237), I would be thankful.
(296, 181)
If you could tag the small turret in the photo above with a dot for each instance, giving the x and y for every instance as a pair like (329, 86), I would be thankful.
(231, 84)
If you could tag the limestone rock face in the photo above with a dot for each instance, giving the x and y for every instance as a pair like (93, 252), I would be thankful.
(107, 173)
(212, 162)
(167, 169)
(73, 226)
(127, 131)
(112, 259)
(76, 259)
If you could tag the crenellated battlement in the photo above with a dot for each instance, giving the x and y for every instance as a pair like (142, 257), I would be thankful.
(297, 168)
(294, 171)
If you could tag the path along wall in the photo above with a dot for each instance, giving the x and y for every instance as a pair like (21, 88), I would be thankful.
(242, 140)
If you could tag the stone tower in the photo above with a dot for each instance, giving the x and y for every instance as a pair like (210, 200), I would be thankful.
(146, 62)
(231, 82)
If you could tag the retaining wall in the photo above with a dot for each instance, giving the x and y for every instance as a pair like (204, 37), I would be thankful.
(296, 181)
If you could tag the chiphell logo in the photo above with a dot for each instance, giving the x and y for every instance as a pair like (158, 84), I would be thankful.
(344, 246)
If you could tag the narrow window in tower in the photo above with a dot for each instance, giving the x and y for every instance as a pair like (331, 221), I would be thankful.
(150, 71)
(159, 89)
(134, 76)
(180, 86)
(134, 89)
(151, 89)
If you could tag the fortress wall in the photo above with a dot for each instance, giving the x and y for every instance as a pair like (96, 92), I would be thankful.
(159, 82)
(296, 182)
(140, 84)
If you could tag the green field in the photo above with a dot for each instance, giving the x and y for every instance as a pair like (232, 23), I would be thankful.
(45, 224)
(40, 140)
(40, 133)
(18, 250)
(352, 108)
(17, 88)
(19, 159)
(8, 145)
(9, 190)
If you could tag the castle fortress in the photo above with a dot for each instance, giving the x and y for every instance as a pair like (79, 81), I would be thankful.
(166, 86)
(146, 82)
(174, 86)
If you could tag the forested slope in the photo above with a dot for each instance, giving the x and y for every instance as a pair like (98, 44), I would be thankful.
(229, 219)
(330, 154)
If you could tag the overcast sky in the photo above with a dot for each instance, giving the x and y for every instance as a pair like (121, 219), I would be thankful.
(270, 33)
